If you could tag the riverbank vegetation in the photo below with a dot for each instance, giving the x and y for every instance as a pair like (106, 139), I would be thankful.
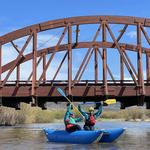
(28, 114)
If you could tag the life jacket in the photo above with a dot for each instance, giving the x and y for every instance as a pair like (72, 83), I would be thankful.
(69, 126)
(70, 122)
(90, 121)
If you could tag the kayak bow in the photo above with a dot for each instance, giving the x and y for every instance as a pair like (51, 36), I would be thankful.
(110, 135)
(77, 137)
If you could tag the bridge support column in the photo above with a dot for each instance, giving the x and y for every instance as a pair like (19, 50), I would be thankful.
(148, 105)
(96, 64)
(0, 64)
(0, 101)
(69, 58)
(77, 34)
(121, 67)
(104, 60)
(95, 49)
(122, 105)
(18, 74)
(140, 70)
(0, 75)
(147, 68)
(34, 68)
(44, 64)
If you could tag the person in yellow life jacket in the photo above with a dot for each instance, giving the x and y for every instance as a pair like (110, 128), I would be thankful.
(90, 117)
(70, 120)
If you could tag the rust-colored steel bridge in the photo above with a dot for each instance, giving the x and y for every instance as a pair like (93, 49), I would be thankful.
(38, 89)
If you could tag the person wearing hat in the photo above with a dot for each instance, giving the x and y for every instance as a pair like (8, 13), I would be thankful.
(90, 117)
(70, 120)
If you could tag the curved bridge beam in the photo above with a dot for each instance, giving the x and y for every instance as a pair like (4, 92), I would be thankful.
(74, 21)
(64, 47)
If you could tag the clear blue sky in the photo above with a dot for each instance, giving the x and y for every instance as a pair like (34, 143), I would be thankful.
(19, 13)
(15, 14)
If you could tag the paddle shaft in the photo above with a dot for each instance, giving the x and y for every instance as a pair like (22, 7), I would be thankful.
(108, 101)
(63, 94)
(74, 106)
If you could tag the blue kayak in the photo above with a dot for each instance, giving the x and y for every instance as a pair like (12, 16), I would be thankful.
(83, 137)
(77, 137)
(110, 135)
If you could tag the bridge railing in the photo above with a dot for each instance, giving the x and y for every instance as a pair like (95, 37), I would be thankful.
(14, 82)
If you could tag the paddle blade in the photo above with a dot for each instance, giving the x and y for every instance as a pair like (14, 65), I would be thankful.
(110, 101)
(61, 92)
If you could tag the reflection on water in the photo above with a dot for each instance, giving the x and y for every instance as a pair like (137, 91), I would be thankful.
(31, 137)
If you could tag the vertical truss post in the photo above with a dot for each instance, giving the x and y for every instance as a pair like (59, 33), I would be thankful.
(0, 64)
(121, 67)
(44, 64)
(104, 60)
(139, 54)
(96, 64)
(18, 74)
(69, 58)
(147, 68)
(0, 75)
(140, 71)
(147, 55)
(34, 67)
(77, 34)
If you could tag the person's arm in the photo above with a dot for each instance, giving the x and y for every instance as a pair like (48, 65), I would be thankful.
(82, 112)
(97, 114)
(79, 119)
(67, 114)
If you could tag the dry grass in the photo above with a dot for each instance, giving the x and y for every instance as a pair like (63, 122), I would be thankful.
(28, 114)
(131, 113)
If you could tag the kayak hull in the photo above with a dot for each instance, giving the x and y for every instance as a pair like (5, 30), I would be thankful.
(83, 137)
(110, 135)
(77, 137)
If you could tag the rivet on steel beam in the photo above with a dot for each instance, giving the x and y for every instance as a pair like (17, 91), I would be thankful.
(104, 44)
(122, 48)
(95, 45)
(65, 22)
(139, 48)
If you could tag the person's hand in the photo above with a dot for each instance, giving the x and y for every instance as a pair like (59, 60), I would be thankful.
(105, 104)
(71, 107)
(98, 105)
(79, 106)
(68, 104)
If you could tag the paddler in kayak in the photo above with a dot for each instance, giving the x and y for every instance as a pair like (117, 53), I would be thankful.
(70, 120)
(90, 117)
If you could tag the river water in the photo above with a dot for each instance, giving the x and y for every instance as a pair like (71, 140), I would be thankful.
(31, 137)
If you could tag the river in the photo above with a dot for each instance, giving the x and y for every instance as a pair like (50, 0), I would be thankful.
(31, 137)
